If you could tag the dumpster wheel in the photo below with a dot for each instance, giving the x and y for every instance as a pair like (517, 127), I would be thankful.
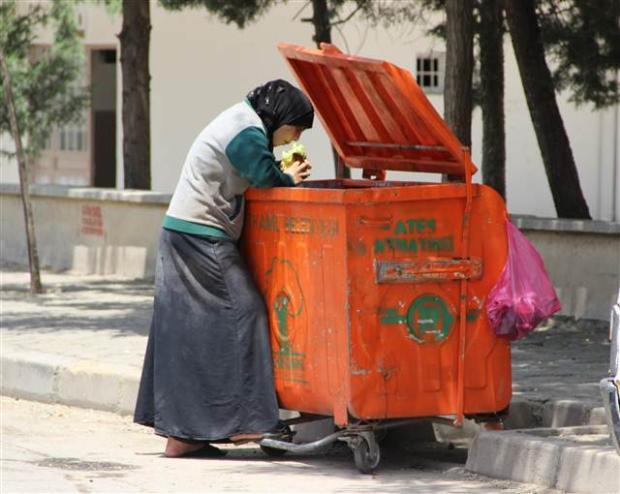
(366, 451)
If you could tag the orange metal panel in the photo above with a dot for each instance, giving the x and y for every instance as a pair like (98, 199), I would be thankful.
(348, 345)
(375, 113)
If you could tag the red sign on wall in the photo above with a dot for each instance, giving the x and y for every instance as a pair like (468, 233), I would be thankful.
(92, 220)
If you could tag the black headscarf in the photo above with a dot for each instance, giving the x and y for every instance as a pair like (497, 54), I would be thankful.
(279, 103)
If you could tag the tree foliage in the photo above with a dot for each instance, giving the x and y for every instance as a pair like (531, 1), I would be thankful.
(38, 89)
(45, 82)
(239, 12)
(582, 41)
(243, 12)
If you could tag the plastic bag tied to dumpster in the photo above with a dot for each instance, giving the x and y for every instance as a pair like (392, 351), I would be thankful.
(524, 295)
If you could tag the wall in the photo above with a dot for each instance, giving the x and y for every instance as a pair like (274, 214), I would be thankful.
(85, 230)
(115, 232)
(583, 260)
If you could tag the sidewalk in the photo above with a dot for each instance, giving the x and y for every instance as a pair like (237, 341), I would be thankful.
(82, 343)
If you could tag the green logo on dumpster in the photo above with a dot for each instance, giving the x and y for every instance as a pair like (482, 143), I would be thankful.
(285, 356)
(427, 319)
(287, 305)
(428, 314)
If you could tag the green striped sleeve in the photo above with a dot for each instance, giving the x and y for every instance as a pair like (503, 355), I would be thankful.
(250, 155)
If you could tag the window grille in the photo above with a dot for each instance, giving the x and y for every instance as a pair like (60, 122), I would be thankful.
(430, 72)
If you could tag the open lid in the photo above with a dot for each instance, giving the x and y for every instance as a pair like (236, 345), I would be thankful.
(376, 115)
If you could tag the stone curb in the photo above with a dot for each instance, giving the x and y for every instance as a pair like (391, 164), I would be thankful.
(90, 384)
(572, 459)
(57, 379)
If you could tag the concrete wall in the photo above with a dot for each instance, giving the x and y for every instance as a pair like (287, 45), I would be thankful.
(108, 231)
(85, 230)
(583, 260)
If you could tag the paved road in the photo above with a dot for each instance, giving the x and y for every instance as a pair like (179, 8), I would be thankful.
(54, 448)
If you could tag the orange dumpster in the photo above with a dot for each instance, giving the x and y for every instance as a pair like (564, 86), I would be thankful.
(375, 289)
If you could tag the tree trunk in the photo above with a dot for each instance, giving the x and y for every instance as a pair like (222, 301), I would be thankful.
(134, 39)
(459, 68)
(539, 93)
(323, 34)
(320, 19)
(33, 256)
(492, 96)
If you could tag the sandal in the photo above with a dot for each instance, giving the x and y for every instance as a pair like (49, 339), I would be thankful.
(207, 451)
(246, 437)
(281, 429)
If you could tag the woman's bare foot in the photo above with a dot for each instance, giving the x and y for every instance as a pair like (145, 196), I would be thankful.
(178, 447)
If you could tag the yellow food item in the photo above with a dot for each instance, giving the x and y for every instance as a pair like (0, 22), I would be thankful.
(297, 152)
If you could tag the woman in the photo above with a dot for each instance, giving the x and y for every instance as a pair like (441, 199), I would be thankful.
(207, 372)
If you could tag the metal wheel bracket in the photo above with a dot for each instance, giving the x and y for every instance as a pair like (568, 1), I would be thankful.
(366, 451)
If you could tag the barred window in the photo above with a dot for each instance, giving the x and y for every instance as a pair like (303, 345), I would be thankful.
(430, 72)
(70, 137)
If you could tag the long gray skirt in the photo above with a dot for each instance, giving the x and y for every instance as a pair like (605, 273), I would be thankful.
(207, 371)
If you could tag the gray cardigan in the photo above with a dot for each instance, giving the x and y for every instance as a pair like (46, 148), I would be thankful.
(228, 156)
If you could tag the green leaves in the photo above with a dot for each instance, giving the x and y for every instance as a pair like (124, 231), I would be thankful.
(582, 39)
(46, 80)
(239, 12)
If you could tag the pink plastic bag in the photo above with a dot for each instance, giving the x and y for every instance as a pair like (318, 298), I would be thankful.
(524, 295)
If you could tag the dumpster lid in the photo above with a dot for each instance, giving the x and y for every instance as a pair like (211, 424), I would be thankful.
(376, 115)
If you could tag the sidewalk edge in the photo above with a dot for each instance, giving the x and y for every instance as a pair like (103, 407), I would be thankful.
(57, 379)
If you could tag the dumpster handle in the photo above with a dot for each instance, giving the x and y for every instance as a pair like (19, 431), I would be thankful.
(382, 222)
(342, 434)
(460, 396)
(304, 447)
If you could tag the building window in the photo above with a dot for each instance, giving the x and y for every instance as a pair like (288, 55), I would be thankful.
(430, 71)
(74, 137)
(65, 158)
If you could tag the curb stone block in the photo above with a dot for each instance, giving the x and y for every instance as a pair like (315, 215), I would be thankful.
(494, 454)
(128, 393)
(597, 416)
(573, 459)
(31, 375)
(565, 413)
(588, 470)
(57, 379)
(89, 385)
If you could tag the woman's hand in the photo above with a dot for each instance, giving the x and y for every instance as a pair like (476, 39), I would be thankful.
(299, 171)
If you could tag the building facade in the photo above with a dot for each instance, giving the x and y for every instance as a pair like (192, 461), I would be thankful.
(200, 66)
